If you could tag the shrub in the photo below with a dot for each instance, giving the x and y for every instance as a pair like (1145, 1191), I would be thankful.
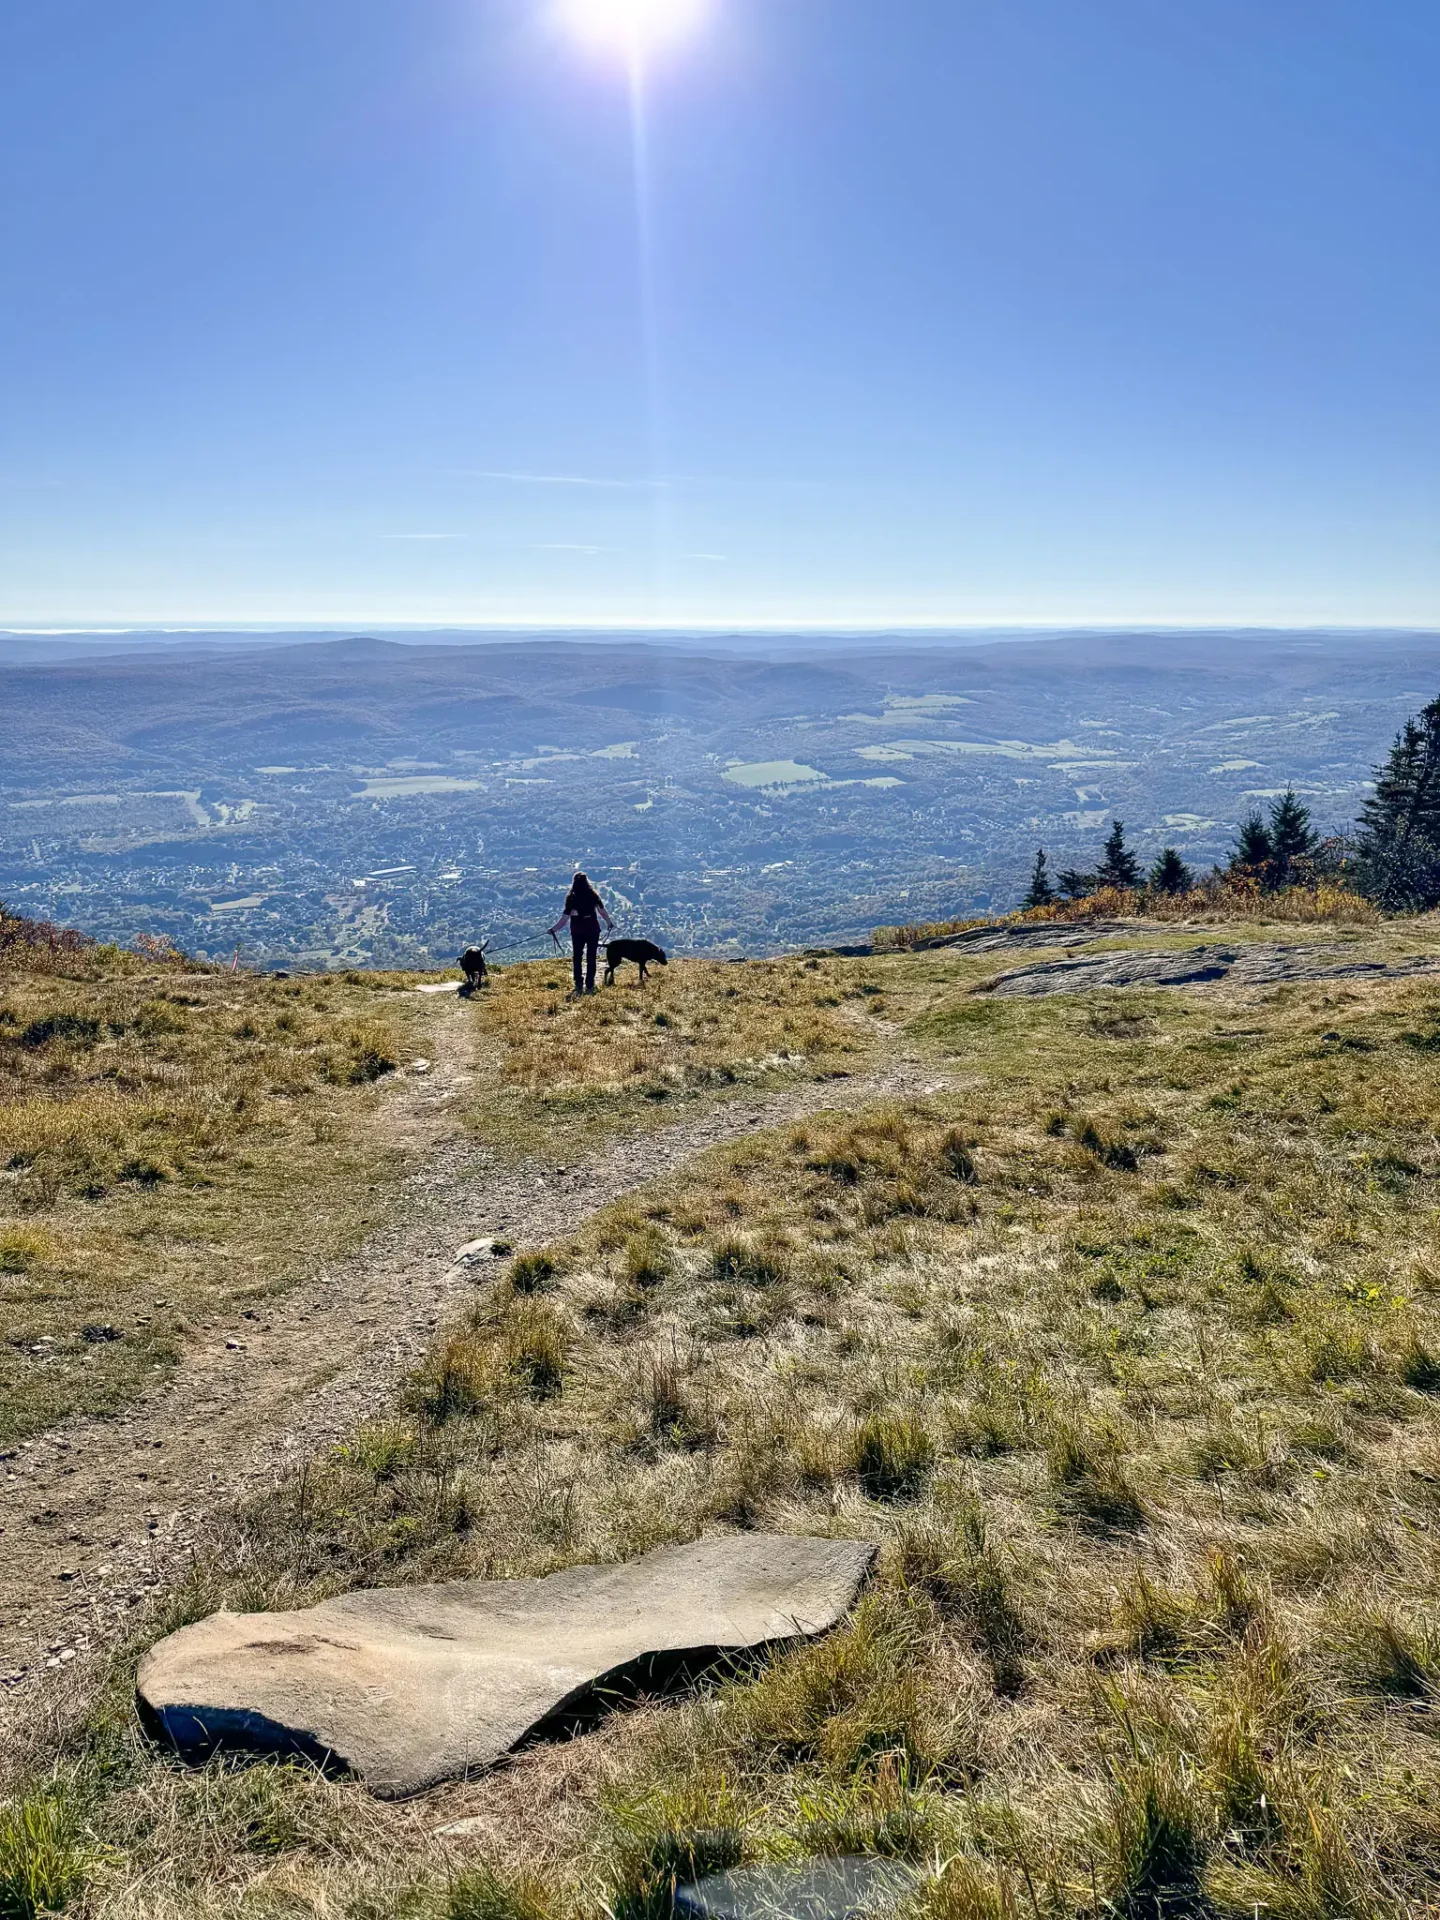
(38, 945)
(923, 934)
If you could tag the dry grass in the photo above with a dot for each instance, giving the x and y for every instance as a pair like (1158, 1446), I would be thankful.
(150, 1116)
(1220, 901)
(905, 939)
(1123, 1350)
(575, 1069)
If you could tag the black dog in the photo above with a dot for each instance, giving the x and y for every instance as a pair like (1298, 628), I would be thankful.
(644, 953)
(472, 965)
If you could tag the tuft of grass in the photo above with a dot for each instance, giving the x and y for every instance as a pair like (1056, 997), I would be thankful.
(847, 1704)
(44, 1855)
(1389, 1654)
(368, 1055)
(973, 1581)
(649, 1261)
(460, 1379)
(536, 1348)
(661, 1840)
(532, 1272)
(1088, 1477)
(671, 1414)
(957, 1159)
(387, 1449)
(891, 1455)
(1420, 1366)
(483, 1893)
(740, 1262)
(964, 1889)
(1158, 1840)
(23, 1248)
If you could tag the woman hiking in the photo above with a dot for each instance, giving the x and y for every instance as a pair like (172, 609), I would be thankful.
(584, 910)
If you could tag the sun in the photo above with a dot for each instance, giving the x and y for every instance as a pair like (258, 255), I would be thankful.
(633, 27)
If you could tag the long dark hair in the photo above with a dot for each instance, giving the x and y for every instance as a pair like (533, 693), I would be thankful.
(582, 897)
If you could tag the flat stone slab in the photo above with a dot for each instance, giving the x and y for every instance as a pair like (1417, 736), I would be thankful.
(840, 1889)
(1264, 964)
(409, 1686)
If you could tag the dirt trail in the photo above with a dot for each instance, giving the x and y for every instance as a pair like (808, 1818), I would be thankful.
(97, 1515)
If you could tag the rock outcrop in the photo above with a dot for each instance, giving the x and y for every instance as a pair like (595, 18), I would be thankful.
(409, 1686)
(1260, 965)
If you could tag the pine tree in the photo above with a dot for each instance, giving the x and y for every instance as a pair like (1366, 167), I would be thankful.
(1118, 866)
(1399, 849)
(1170, 874)
(1291, 836)
(1075, 885)
(1253, 855)
(1041, 893)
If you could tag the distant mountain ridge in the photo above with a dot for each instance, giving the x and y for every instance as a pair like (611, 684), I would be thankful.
(731, 795)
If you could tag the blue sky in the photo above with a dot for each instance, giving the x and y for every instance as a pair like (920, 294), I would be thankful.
(334, 311)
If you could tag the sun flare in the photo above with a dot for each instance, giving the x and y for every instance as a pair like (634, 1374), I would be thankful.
(633, 26)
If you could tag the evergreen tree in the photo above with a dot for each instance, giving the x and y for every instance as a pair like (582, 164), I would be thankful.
(1291, 837)
(1170, 874)
(1041, 893)
(1118, 866)
(1253, 852)
(1399, 849)
(1075, 885)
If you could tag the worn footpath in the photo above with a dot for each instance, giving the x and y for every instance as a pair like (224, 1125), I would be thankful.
(100, 1515)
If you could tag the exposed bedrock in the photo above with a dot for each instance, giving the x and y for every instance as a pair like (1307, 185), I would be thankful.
(1241, 966)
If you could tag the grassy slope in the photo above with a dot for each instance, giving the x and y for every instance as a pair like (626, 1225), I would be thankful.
(556, 1071)
(150, 1119)
(1127, 1348)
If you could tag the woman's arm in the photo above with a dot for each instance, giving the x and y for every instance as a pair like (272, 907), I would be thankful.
(563, 921)
(600, 909)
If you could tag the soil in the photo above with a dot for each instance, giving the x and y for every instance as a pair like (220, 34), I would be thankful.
(99, 1516)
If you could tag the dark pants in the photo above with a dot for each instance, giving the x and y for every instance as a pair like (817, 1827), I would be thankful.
(584, 945)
